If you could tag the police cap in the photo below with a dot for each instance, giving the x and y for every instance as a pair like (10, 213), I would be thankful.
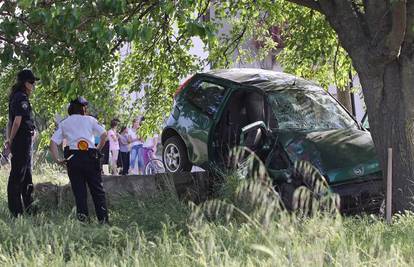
(26, 75)
(75, 106)
(79, 101)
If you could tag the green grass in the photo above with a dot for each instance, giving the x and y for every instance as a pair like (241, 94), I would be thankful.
(244, 228)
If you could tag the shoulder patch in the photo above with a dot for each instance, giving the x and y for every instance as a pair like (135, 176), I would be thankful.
(24, 105)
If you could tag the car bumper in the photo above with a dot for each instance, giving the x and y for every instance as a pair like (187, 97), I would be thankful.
(360, 196)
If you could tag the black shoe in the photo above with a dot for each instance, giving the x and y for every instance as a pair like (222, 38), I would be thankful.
(32, 210)
(83, 218)
(104, 221)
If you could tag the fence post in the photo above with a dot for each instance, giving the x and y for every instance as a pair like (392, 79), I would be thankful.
(388, 209)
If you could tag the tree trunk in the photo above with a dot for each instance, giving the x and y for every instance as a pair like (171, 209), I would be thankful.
(379, 38)
(389, 96)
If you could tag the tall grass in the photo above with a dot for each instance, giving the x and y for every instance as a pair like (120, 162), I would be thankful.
(243, 227)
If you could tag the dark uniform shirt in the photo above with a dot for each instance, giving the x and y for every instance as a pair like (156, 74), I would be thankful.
(19, 105)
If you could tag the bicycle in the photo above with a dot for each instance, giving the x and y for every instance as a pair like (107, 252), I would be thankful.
(4, 157)
(154, 166)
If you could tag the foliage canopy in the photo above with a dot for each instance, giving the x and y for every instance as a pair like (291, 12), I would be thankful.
(74, 46)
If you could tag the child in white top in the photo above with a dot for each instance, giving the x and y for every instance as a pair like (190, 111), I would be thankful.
(113, 146)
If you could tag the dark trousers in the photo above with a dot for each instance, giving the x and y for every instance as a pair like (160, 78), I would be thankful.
(125, 162)
(20, 185)
(84, 169)
(105, 151)
(119, 160)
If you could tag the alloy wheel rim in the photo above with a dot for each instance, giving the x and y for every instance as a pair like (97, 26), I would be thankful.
(172, 158)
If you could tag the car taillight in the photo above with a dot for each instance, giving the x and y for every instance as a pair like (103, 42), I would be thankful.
(181, 87)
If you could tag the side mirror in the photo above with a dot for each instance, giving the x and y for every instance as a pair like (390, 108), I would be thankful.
(252, 134)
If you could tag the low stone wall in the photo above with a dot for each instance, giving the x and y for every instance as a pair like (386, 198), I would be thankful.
(187, 186)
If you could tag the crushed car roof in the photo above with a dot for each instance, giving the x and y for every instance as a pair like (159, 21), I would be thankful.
(265, 79)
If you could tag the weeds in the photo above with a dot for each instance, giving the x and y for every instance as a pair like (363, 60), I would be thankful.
(244, 226)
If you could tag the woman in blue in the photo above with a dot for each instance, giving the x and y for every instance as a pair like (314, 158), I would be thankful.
(82, 158)
(136, 147)
(20, 133)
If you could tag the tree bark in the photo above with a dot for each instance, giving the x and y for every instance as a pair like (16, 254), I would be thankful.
(379, 38)
(391, 118)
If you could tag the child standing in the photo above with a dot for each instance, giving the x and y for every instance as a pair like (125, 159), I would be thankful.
(149, 148)
(124, 141)
(113, 146)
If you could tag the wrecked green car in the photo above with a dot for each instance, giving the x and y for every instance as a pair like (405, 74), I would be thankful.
(282, 119)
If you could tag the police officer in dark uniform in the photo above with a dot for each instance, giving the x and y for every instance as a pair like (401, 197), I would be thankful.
(21, 129)
(82, 158)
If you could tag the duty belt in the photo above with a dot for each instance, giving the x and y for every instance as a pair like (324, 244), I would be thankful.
(93, 153)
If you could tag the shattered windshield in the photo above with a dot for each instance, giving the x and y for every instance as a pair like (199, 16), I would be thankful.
(308, 110)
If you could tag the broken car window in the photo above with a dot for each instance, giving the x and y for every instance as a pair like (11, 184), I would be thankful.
(206, 96)
(308, 110)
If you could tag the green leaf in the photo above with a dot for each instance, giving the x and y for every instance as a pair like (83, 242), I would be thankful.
(196, 29)
(146, 33)
(6, 54)
(25, 4)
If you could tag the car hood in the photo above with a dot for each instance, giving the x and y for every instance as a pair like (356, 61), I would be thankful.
(341, 155)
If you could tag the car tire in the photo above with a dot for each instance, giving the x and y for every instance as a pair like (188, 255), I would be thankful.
(307, 186)
(174, 155)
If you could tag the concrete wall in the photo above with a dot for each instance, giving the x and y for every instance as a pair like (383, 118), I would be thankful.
(187, 186)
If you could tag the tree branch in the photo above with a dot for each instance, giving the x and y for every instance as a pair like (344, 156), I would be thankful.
(143, 14)
(344, 19)
(235, 42)
(308, 3)
(391, 44)
(13, 42)
(374, 13)
(362, 19)
(32, 27)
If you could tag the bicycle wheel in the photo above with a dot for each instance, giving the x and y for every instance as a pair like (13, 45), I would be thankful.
(154, 166)
(4, 160)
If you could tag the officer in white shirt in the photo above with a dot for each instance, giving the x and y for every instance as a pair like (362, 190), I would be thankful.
(82, 158)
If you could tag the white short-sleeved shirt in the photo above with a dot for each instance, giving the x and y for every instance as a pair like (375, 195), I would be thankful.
(76, 128)
(133, 134)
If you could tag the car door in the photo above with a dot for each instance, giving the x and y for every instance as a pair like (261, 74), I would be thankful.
(204, 97)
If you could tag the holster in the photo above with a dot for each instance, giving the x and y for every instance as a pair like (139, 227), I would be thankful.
(91, 153)
(94, 154)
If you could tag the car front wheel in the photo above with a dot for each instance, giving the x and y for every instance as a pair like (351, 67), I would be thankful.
(175, 155)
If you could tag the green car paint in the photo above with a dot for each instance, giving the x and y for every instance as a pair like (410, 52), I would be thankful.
(340, 155)
(341, 149)
(192, 124)
(193, 128)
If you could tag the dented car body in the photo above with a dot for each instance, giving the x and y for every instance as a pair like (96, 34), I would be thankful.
(283, 119)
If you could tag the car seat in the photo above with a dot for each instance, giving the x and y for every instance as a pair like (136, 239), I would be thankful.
(255, 112)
